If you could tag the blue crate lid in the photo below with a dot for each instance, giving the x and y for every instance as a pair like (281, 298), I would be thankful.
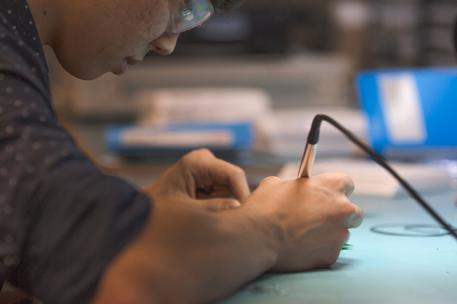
(411, 112)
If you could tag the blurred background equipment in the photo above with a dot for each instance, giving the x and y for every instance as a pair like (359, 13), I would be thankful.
(290, 80)
(301, 52)
(372, 180)
(207, 105)
(272, 65)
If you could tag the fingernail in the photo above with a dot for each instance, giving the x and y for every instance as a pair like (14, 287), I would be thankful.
(232, 204)
(236, 204)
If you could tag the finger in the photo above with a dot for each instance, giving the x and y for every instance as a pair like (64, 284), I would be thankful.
(219, 204)
(232, 176)
(270, 180)
(345, 184)
(217, 191)
(209, 170)
(350, 186)
(356, 218)
(341, 182)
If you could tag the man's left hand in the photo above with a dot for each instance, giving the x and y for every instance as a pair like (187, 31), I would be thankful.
(201, 177)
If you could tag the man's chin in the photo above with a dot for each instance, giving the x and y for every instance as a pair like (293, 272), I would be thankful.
(78, 71)
(85, 74)
(95, 75)
(80, 68)
(118, 72)
(91, 73)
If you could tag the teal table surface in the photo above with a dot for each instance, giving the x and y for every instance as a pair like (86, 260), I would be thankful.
(379, 268)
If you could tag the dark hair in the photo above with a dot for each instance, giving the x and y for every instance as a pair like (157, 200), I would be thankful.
(226, 5)
(455, 36)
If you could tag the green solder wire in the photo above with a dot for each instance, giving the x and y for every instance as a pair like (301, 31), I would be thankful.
(347, 247)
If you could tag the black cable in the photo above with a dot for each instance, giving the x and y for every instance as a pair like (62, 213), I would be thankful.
(409, 230)
(313, 138)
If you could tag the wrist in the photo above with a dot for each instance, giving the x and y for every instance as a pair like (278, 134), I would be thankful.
(266, 236)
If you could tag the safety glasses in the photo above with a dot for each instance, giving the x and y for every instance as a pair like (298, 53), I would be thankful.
(188, 14)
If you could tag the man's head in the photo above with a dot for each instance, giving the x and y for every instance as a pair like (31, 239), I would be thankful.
(92, 37)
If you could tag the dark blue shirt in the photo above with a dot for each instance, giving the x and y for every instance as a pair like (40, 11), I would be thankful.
(61, 219)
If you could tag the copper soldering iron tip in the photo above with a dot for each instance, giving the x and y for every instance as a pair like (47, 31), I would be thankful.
(307, 162)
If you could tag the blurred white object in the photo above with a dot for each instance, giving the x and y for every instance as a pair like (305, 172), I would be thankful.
(400, 95)
(314, 79)
(352, 13)
(450, 165)
(285, 131)
(202, 105)
(372, 180)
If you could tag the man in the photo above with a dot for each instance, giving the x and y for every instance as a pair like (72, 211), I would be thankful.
(71, 234)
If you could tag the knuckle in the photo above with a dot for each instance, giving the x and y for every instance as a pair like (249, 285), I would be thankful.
(337, 181)
(357, 219)
(346, 208)
(342, 181)
(238, 172)
(184, 161)
(188, 157)
(270, 180)
(232, 203)
(223, 205)
(204, 152)
(361, 214)
(346, 179)
(196, 155)
(349, 185)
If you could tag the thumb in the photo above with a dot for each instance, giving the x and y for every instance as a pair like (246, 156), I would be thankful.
(219, 204)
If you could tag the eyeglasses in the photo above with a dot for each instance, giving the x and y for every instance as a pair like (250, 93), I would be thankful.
(188, 14)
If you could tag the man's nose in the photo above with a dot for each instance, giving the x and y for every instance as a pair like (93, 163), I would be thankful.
(165, 44)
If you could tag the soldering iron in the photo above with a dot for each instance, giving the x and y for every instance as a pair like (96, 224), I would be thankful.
(310, 153)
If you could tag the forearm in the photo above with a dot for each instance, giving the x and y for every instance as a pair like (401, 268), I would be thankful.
(240, 248)
(197, 256)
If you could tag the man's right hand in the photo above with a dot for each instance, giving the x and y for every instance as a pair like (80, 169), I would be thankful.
(312, 217)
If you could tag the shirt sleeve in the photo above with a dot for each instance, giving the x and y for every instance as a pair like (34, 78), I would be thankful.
(61, 219)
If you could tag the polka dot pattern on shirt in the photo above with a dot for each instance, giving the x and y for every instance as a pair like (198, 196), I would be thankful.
(27, 121)
(53, 200)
